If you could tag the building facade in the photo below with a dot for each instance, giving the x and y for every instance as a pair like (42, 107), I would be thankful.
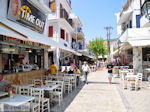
(133, 31)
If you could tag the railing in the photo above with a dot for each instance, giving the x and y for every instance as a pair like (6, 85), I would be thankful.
(69, 2)
(64, 14)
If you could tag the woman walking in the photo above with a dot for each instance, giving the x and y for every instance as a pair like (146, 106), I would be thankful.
(110, 70)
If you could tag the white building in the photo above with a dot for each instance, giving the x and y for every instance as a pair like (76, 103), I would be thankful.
(23, 37)
(65, 28)
(133, 30)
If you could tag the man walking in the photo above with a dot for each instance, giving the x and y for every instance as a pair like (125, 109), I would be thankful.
(85, 69)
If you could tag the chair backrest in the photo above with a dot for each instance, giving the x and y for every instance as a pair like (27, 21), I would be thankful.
(38, 93)
(139, 77)
(24, 90)
(49, 82)
(60, 86)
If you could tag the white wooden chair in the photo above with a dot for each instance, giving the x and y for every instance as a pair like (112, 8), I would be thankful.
(43, 102)
(138, 81)
(135, 84)
(57, 94)
(123, 81)
(23, 90)
(67, 85)
(35, 104)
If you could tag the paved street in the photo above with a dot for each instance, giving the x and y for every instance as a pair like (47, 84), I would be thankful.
(99, 96)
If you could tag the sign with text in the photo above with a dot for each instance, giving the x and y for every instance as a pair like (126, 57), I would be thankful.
(23, 12)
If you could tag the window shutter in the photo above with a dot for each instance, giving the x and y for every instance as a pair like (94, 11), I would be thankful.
(50, 31)
(62, 34)
(53, 6)
(67, 37)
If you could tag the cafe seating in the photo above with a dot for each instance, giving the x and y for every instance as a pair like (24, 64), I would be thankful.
(24, 90)
(67, 85)
(136, 83)
(57, 94)
(44, 102)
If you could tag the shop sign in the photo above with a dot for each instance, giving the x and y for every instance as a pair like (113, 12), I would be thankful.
(23, 12)
(21, 42)
(9, 50)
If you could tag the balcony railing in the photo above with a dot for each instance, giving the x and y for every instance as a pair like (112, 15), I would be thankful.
(64, 14)
(69, 2)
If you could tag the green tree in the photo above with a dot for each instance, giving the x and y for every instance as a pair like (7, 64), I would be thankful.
(98, 47)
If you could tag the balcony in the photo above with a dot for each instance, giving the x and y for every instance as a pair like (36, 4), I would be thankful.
(64, 14)
(80, 34)
(144, 22)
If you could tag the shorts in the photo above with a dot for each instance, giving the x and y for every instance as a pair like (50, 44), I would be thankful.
(109, 74)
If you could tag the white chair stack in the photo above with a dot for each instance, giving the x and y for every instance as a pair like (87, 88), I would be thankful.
(136, 84)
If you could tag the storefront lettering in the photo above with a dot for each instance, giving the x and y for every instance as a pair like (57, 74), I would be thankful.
(21, 42)
(26, 14)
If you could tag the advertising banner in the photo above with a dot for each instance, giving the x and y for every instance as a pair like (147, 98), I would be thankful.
(23, 12)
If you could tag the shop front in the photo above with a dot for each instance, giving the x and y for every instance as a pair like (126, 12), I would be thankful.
(20, 56)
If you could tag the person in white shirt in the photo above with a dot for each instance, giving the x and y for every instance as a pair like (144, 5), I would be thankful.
(85, 69)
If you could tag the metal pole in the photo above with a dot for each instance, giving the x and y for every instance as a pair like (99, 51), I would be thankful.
(108, 28)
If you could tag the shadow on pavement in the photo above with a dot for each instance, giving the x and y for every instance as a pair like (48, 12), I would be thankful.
(93, 82)
(68, 98)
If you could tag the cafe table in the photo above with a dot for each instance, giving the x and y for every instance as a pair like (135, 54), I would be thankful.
(16, 100)
(47, 88)
(131, 77)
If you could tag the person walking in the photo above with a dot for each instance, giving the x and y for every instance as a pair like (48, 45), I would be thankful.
(98, 65)
(110, 70)
(85, 69)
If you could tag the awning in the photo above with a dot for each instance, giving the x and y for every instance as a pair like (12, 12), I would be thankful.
(140, 43)
(8, 32)
(124, 16)
(70, 50)
(32, 35)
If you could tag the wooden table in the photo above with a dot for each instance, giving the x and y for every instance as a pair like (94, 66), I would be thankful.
(16, 100)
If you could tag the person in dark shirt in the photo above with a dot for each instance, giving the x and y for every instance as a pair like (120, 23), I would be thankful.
(110, 70)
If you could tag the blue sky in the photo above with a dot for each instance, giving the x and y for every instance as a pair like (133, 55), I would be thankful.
(96, 14)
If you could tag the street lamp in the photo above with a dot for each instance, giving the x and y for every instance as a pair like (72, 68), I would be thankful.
(146, 9)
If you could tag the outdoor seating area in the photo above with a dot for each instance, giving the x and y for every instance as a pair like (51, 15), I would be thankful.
(41, 94)
(130, 80)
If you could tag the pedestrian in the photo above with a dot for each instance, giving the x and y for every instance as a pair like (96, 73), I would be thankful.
(52, 69)
(98, 65)
(85, 69)
(110, 70)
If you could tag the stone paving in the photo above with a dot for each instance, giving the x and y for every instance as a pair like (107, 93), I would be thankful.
(99, 96)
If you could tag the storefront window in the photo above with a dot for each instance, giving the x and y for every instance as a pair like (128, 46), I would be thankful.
(15, 59)
(146, 54)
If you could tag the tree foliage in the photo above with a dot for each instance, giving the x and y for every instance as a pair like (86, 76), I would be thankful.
(98, 47)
